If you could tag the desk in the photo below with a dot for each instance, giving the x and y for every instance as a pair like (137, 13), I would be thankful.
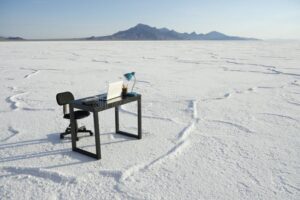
(94, 105)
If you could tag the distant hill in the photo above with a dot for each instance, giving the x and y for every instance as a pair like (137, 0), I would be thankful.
(11, 38)
(145, 32)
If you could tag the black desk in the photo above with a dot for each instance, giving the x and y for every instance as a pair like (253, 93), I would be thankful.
(94, 105)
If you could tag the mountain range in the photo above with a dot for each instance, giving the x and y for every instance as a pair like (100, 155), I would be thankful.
(10, 38)
(146, 32)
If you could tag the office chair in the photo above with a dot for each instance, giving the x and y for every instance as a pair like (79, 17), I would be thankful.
(63, 99)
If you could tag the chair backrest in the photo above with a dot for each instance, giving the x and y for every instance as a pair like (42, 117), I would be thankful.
(64, 98)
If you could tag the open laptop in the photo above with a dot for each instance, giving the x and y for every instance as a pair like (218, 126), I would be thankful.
(114, 90)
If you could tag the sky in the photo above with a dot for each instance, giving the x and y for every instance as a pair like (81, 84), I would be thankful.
(49, 19)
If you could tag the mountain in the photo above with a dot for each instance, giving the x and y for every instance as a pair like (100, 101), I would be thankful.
(11, 38)
(145, 32)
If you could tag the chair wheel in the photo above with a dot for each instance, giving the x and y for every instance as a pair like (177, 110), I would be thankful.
(62, 137)
(77, 139)
(91, 134)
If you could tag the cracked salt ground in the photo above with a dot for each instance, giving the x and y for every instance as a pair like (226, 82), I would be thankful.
(181, 143)
(220, 121)
(17, 101)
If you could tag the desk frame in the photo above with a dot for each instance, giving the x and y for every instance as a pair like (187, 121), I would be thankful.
(95, 110)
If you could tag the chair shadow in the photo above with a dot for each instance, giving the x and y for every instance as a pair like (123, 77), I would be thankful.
(55, 140)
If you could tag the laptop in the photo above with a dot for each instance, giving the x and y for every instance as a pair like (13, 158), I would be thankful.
(114, 90)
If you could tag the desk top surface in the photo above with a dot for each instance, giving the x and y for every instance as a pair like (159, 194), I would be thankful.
(94, 103)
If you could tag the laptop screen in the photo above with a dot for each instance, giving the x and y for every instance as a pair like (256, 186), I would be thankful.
(114, 90)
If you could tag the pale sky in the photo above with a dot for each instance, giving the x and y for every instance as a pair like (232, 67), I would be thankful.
(37, 19)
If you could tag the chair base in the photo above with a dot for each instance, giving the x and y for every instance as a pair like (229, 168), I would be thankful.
(79, 130)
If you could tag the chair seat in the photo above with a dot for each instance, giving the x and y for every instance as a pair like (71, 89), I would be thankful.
(79, 114)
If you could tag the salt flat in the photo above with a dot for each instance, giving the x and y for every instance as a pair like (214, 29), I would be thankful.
(221, 120)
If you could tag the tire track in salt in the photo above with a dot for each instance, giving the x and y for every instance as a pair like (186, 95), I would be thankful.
(189, 61)
(34, 72)
(148, 58)
(13, 132)
(249, 174)
(101, 61)
(182, 142)
(228, 94)
(251, 64)
(124, 110)
(286, 186)
(246, 71)
(283, 73)
(271, 70)
(293, 102)
(238, 126)
(281, 116)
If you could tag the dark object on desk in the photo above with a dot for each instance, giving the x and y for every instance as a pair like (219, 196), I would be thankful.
(63, 99)
(94, 105)
(131, 94)
(124, 90)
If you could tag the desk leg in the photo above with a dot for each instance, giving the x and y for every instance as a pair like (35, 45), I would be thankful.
(73, 127)
(97, 135)
(74, 135)
(140, 119)
(117, 118)
(139, 116)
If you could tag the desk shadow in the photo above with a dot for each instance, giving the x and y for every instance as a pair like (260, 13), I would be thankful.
(55, 140)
